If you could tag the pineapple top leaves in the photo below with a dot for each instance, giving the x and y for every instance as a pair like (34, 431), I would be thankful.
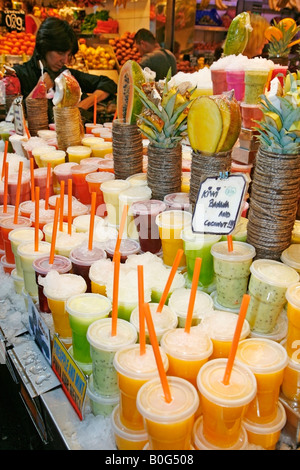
(279, 46)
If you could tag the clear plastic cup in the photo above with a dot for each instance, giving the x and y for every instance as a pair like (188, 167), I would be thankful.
(138, 179)
(236, 81)
(10, 210)
(65, 243)
(163, 321)
(18, 236)
(12, 184)
(48, 230)
(98, 273)
(201, 443)
(267, 360)
(63, 172)
(219, 81)
(82, 258)
(145, 213)
(80, 185)
(100, 404)
(179, 302)
(169, 425)
(18, 281)
(290, 386)
(82, 222)
(8, 224)
(293, 315)
(250, 114)
(101, 149)
(128, 197)
(178, 201)
(291, 256)
(127, 247)
(111, 190)
(55, 158)
(159, 280)
(232, 270)
(7, 267)
(125, 438)
(40, 180)
(78, 152)
(94, 181)
(27, 254)
(255, 81)
(38, 151)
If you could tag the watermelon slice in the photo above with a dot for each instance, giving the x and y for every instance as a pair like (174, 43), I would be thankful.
(129, 105)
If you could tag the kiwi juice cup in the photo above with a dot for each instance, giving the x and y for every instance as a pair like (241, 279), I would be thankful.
(232, 270)
(18, 236)
(170, 224)
(268, 283)
(267, 360)
(133, 370)
(224, 406)
(255, 81)
(169, 425)
(111, 190)
(27, 254)
(84, 309)
(293, 315)
(187, 352)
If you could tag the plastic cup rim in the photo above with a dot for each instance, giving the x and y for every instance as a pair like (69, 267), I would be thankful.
(189, 357)
(260, 276)
(231, 256)
(123, 432)
(263, 370)
(106, 347)
(139, 375)
(185, 216)
(75, 313)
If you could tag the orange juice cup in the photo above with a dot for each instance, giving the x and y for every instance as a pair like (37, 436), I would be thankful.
(169, 425)
(266, 435)
(89, 126)
(290, 386)
(201, 443)
(10, 210)
(133, 370)
(80, 185)
(45, 217)
(107, 164)
(94, 181)
(127, 439)
(170, 224)
(224, 406)
(267, 360)
(6, 225)
(187, 352)
(293, 314)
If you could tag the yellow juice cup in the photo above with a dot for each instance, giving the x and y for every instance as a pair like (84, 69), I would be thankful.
(290, 386)
(187, 352)
(125, 438)
(128, 197)
(27, 255)
(38, 151)
(201, 443)
(99, 272)
(293, 314)
(48, 230)
(170, 224)
(78, 152)
(55, 158)
(169, 425)
(88, 141)
(111, 190)
(18, 236)
(101, 149)
(224, 406)
(267, 360)
(133, 370)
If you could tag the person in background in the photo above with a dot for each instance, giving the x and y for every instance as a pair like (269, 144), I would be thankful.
(257, 40)
(156, 58)
(56, 46)
(32, 22)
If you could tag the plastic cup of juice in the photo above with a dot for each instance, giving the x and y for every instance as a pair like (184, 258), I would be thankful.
(179, 302)
(170, 225)
(58, 288)
(84, 309)
(197, 245)
(94, 181)
(78, 152)
(27, 254)
(255, 81)
(266, 435)
(10, 210)
(111, 190)
(220, 327)
(107, 164)
(82, 258)
(41, 266)
(7, 225)
(291, 256)
(18, 281)
(100, 404)
(12, 183)
(293, 315)
(224, 405)
(128, 197)
(178, 201)
(27, 207)
(48, 230)
(98, 273)
(138, 179)
(163, 321)
(101, 149)
(133, 370)
(144, 214)
(82, 222)
(65, 243)
(103, 347)
(159, 281)
(89, 126)
(269, 280)
(80, 185)
(127, 247)
(232, 270)
(45, 217)
(90, 140)
(187, 352)
(201, 443)
(267, 360)
(40, 180)
(125, 438)
(63, 172)
(7, 267)
(102, 233)
(38, 151)
(127, 298)
(236, 81)
(290, 386)
(169, 425)
(56, 157)
(18, 236)
(219, 81)
(250, 114)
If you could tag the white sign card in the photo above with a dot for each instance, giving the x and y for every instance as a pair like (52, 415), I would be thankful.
(219, 204)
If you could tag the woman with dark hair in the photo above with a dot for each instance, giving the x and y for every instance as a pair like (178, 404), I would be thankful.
(56, 45)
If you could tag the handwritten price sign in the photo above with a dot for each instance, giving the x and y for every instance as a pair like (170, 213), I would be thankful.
(14, 20)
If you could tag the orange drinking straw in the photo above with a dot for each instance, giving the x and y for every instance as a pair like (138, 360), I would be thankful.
(32, 178)
(36, 221)
(54, 232)
(62, 200)
(26, 128)
(159, 362)
(121, 228)
(229, 243)
(236, 338)
(142, 336)
(95, 110)
(194, 287)
(114, 312)
(170, 280)
(47, 186)
(69, 205)
(92, 220)
(4, 158)
(18, 193)
(5, 188)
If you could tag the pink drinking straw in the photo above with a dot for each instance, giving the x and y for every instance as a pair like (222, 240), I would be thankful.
(170, 280)
(194, 288)
(18, 193)
(142, 336)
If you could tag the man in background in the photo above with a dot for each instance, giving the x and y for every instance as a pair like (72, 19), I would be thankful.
(158, 59)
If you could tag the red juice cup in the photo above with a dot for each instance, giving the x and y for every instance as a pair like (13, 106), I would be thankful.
(145, 213)
(12, 185)
(41, 265)
(250, 114)
(219, 81)
(62, 172)
(94, 181)
(6, 225)
(236, 81)
(89, 126)
(82, 258)
(280, 72)
(10, 210)
(81, 188)
(40, 180)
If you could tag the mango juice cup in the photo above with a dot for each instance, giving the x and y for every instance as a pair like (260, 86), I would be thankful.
(201, 443)
(133, 370)
(18, 236)
(27, 254)
(187, 352)
(224, 406)
(111, 190)
(290, 386)
(170, 224)
(125, 438)
(267, 361)
(293, 315)
(56, 157)
(169, 425)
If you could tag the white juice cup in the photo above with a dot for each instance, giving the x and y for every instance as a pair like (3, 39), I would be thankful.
(27, 254)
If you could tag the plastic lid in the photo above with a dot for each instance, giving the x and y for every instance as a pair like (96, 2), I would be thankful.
(279, 331)
(151, 206)
(129, 362)
(82, 222)
(38, 151)
(135, 193)
(173, 218)
(99, 176)
(163, 321)
(291, 256)
(180, 298)
(177, 200)
(16, 277)
(114, 186)
(274, 272)
(241, 251)
(293, 365)
(84, 169)
(62, 264)
(81, 255)
(188, 235)
(104, 233)
(122, 431)
(91, 140)
(268, 428)
(138, 179)
(192, 346)
(262, 355)
(88, 305)
(128, 246)
(100, 145)
(202, 443)
(57, 154)
(99, 334)
(220, 325)
(24, 234)
(28, 249)
(8, 222)
(62, 286)
(44, 215)
(79, 149)
(6, 264)
(107, 163)
(101, 399)
(64, 168)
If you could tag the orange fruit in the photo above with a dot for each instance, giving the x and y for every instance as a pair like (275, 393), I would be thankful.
(272, 33)
(287, 23)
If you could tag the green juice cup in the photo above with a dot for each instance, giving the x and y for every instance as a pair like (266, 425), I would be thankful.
(84, 309)
(198, 245)
(255, 81)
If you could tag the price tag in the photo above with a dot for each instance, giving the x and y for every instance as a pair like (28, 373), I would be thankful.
(72, 378)
(19, 115)
(14, 20)
(219, 204)
(39, 330)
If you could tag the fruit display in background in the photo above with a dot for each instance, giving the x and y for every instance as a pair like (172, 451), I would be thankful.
(280, 37)
(17, 43)
(214, 123)
(124, 48)
(129, 104)
(101, 57)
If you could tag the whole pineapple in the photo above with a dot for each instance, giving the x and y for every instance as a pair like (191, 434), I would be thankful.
(280, 37)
